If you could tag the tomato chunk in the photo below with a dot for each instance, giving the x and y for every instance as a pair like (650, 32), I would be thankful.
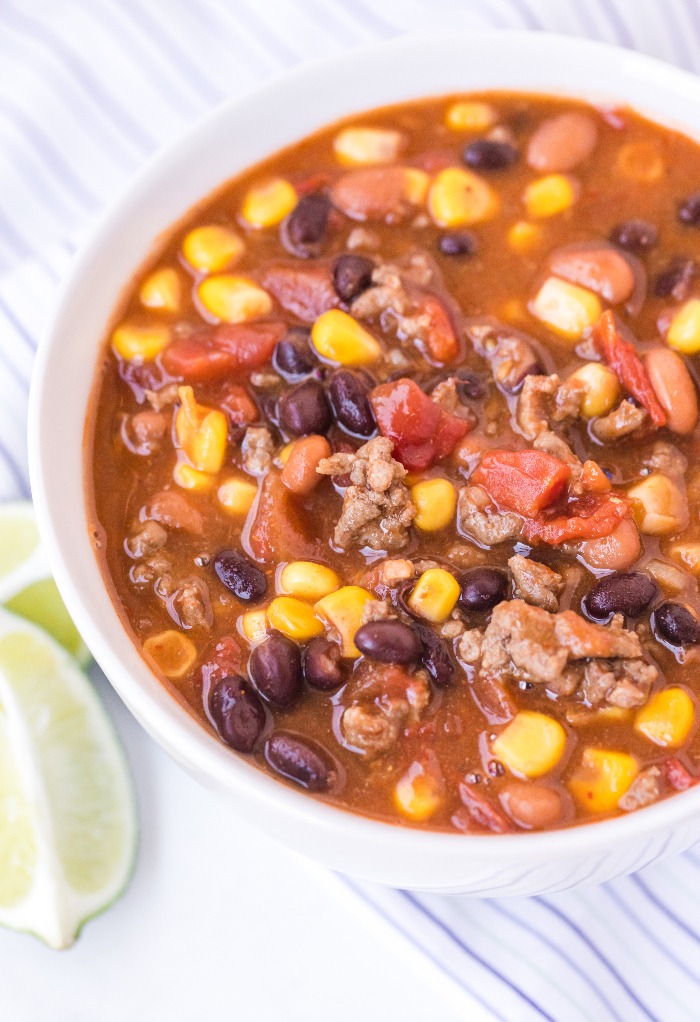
(238, 405)
(521, 481)
(422, 431)
(589, 517)
(624, 361)
(678, 776)
(281, 530)
(441, 343)
(213, 353)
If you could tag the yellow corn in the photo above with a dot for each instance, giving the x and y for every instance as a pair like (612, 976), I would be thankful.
(684, 330)
(688, 554)
(173, 653)
(201, 433)
(470, 115)
(602, 389)
(233, 299)
(434, 595)
(140, 343)
(269, 203)
(523, 236)
(565, 308)
(253, 625)
(343, 611)
(162, 290)
(640, 161)
(212, 247)
(667, 718)
(549, 195)
(602, 778)
(307, 580)
(417, 184)
(191, 478)
(283, 456)
(436, 502)
(458, 197)
(358, 146)
(237, 495)
(293, 618)
(419, 793)
(531, 744)
(338, 337)
(658, 505)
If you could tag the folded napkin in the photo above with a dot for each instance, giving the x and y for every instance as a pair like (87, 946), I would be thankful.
(87, 92)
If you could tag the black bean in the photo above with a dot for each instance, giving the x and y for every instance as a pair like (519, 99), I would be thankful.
(676, 624)
(621, 592)
(303, 231)
(275, 667)
(635, 235)
(392, 642)
(304, 409)
(322, 665)
(352, 274)
(470, 386)
(483, 588)
(237, 712)
(241, 576)
(435, 656)
(349, 394)
(301, 760)
(675, 280)
(689, 210)
(489, 154)
(292, 357)
(457, 243)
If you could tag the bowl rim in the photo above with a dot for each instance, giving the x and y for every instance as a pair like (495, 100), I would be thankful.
(172, 725)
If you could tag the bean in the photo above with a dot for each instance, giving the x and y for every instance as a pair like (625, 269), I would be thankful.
(435, 656)
(237, 712)
(392, 642)
(689, 210)
(489, 154)
(304, 409)
(299, 474)
(300, 760)
(372, 193)
(322, 664)
(483, 588)
(292, 357)
(617, 551)
(470, 386)
(628, 593)
(676, 624)
(275, 667)
(635, 235)
(303, 231)
(674, 387)
(349, 394)
(457, 243)
(241, 576)
(531, 806)
(598, 267)
(562, 142)
(675, 280)
(352, 274)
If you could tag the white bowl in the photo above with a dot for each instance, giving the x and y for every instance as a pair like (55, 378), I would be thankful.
(237, 134)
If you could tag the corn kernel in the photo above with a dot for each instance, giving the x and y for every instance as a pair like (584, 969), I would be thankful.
(307, 580)
(565, 308)
(191, 478)
(233, 299)
(667, 718)
(436, 503)
(549, 195)
(458, 197)
(684, 331)
(269, 203)
(523, 236)
(338, 337)
(531, 744)
(689, 556)
(237, 495)
(294, 618)
(417, 184)
(174, 653)
(434, 595)
(201, 433)
(212, 247)
(343, 610)
(640, 161)
(364, 146)
(673, 580)
(420, 792)
(602, 389)
(253, 625)
(470, 115)
(283, 456)
(658, 505)
(602, 778)
(162, 290)
(140, 343)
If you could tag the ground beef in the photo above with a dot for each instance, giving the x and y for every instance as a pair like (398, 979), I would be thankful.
(361, 237)
(187, 600)
(469, 646)
(667, 459)
(146, 540)
(377, 610)
(377, 507)
(545, 400)
(163, 398)
(257, 450)
(511, 355)
(536, 583)
(446, 395)
(624, 682)
(388, 293)
(379, 702)
(625, 419)
(646, 788)
(484, 523)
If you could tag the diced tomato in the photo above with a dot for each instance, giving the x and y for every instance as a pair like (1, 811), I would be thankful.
(441, 343)
(305, 291)
(217, 351)
(522, 481)
(224, 660)
(623, 359)
(677, 775)
(422, 431)
(238, 405)
(589, 517)
(282, 531)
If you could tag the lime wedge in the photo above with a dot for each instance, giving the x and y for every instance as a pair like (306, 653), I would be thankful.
(67, 813)
(26, 586)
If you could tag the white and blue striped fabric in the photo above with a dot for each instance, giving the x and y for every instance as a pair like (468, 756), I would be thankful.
(88, 90)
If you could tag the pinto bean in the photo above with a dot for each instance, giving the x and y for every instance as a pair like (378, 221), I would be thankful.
(531, 806)
(597, 266)
(299, 474)
(171, 508)
(674, 388)
(617, 551)
(562, 142)
(373, 193)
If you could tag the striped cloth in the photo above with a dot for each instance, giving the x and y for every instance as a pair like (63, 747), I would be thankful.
(87, 92)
